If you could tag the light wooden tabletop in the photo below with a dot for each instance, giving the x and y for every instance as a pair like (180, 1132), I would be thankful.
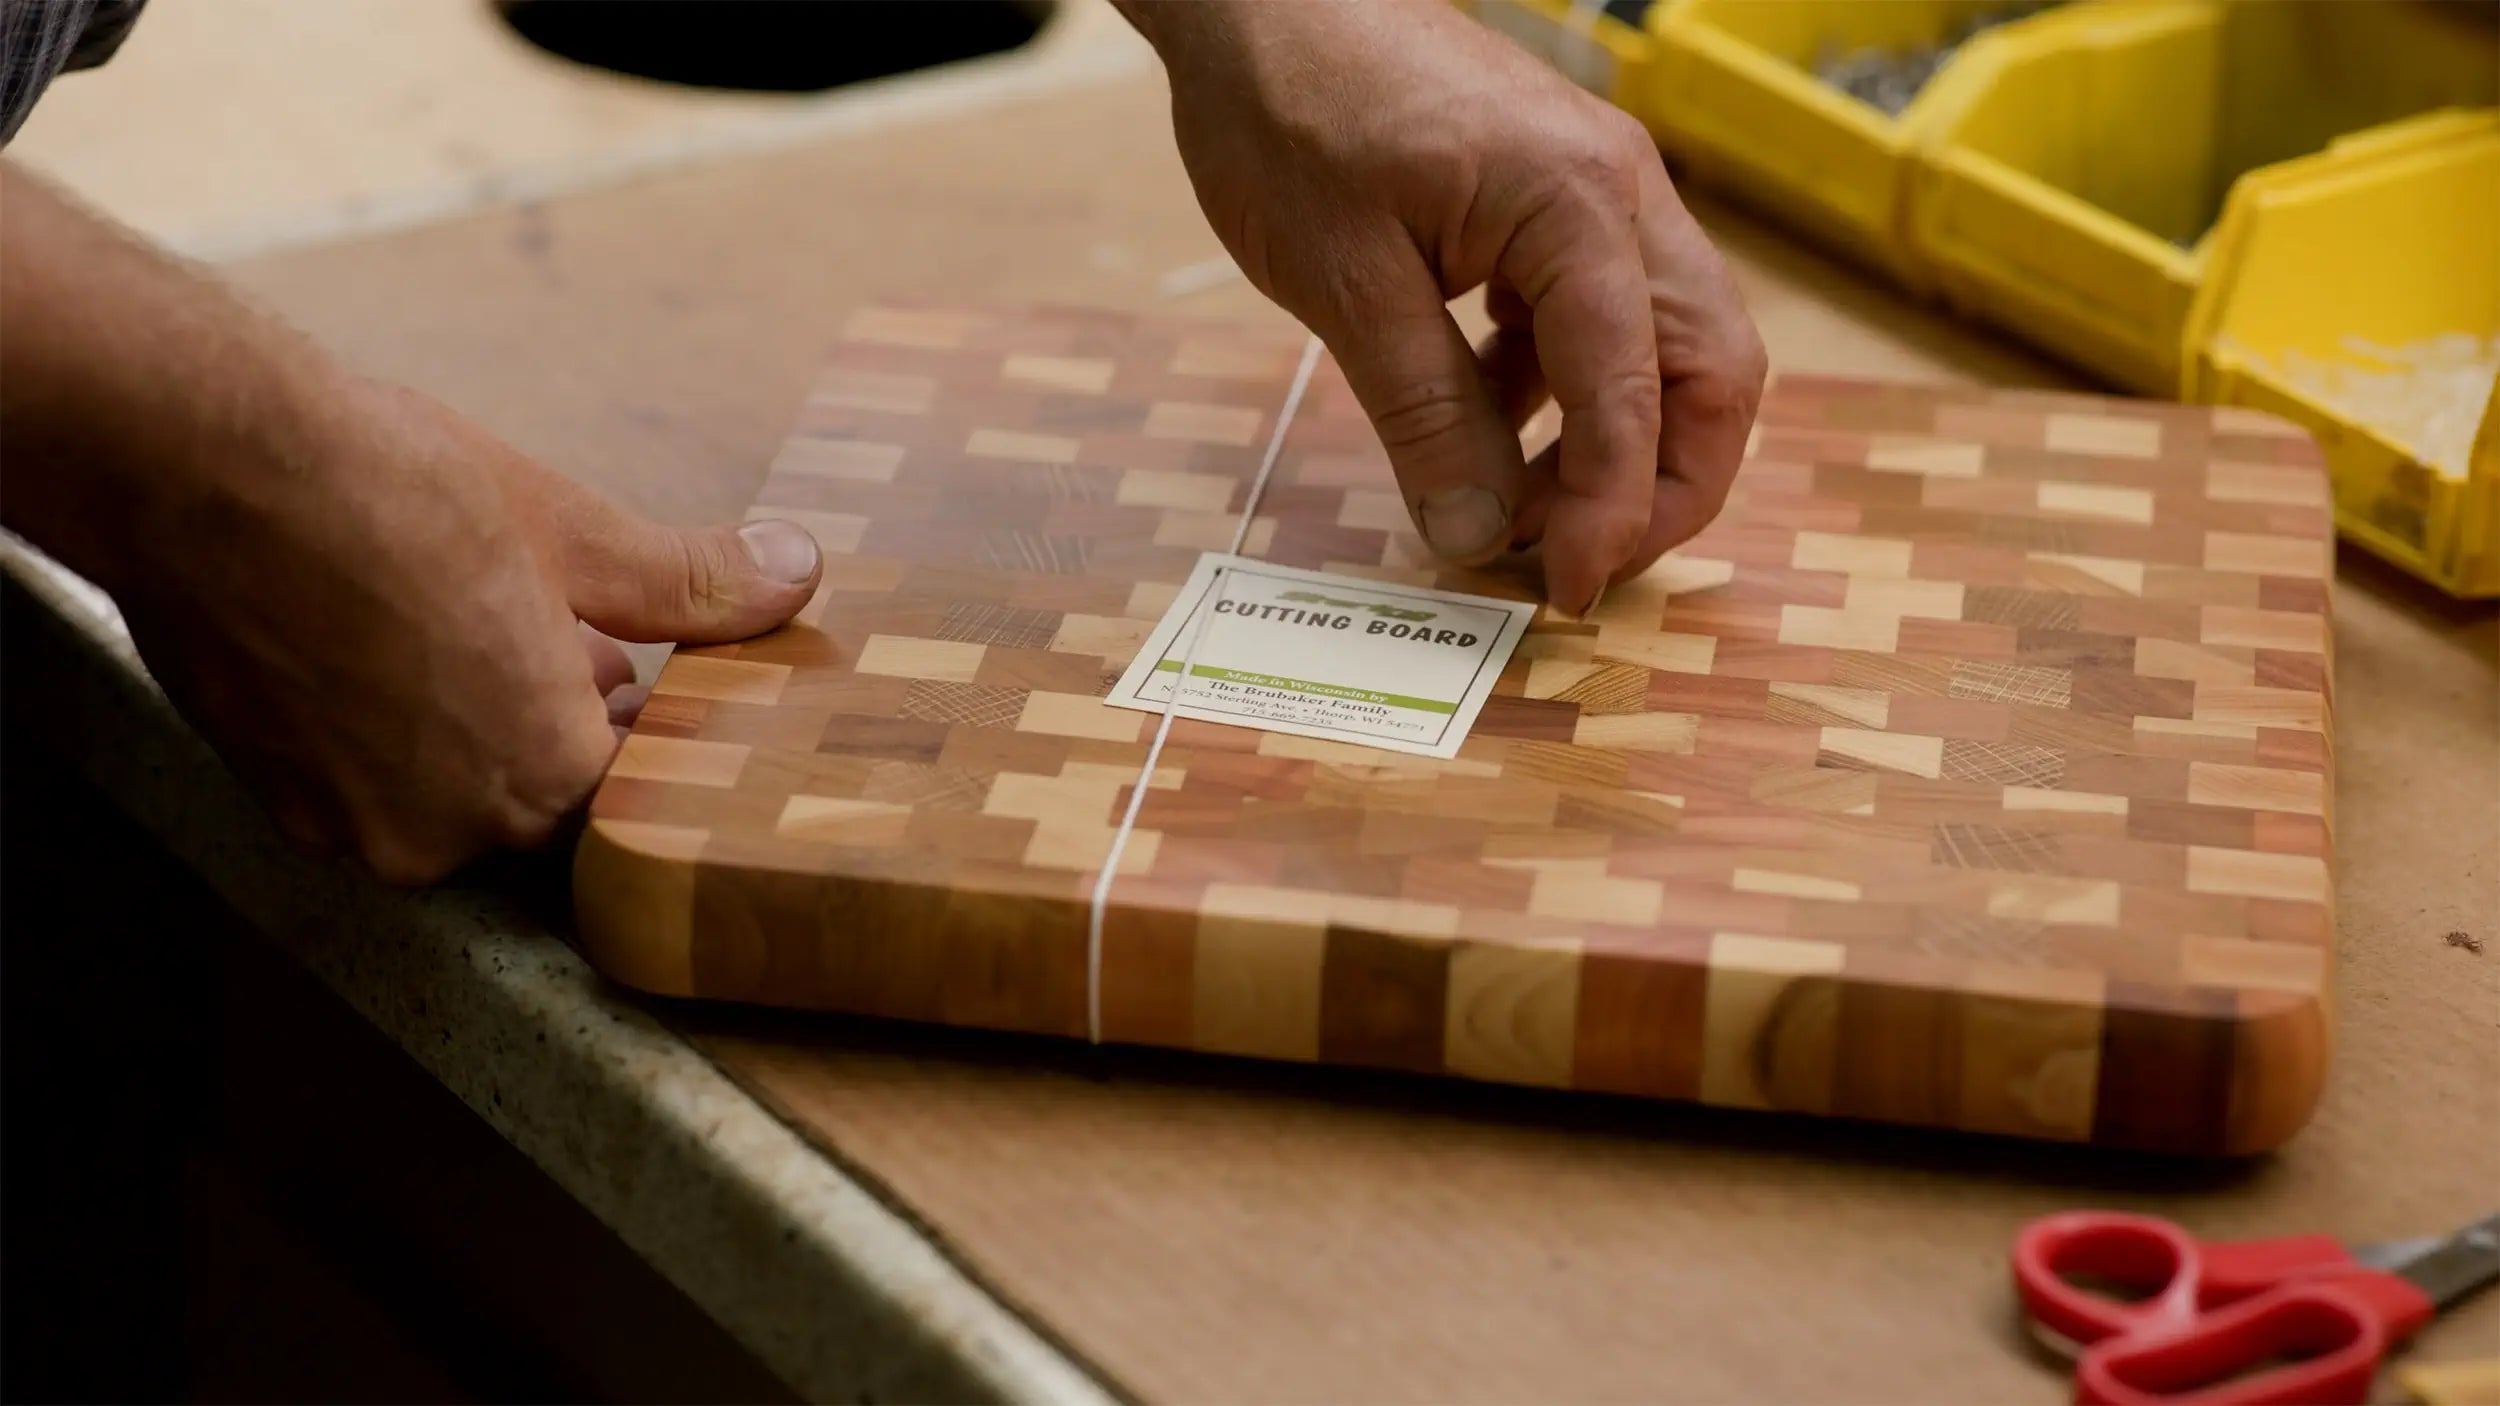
(1182, 1230)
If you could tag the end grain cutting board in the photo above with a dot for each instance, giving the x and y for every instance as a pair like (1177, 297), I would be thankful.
(1973, 770)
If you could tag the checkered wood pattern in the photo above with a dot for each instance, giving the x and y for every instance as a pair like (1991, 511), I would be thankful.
(1973, 769)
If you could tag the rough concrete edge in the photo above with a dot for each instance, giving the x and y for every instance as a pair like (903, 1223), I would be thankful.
(832, 1290)
(1087, 44)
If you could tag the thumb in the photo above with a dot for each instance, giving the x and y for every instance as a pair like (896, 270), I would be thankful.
(1449, 441)
(646, 583)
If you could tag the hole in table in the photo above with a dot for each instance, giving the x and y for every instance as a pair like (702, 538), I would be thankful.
(776, 46)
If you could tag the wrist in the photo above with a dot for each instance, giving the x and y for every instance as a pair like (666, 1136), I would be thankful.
(1183, 31)
(143, 405)
(1292, 60)
(1203, 36)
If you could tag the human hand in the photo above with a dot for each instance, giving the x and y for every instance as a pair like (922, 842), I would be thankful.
(373, 609)
(392, 639)
(1367, 162)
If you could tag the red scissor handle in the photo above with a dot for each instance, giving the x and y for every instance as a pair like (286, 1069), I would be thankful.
(2179, 1274)
(2329, 1332)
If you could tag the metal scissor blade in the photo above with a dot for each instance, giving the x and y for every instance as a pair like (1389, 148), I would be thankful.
(2393, 1255)
(2457, 1265)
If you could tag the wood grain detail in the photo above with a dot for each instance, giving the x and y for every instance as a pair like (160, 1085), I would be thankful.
(1973, 769)
(1511, 1013)
(1384, 1000)
(1257, 987)
(1768, 1022)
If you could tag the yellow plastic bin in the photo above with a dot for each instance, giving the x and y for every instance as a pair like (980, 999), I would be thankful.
(1587, 42)
(2068, 198)
(2320, 270)
(1735, 99)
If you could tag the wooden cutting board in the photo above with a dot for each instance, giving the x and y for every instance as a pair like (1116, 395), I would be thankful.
(1973, 769)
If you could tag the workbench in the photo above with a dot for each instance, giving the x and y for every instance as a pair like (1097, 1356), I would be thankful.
(874, 1211)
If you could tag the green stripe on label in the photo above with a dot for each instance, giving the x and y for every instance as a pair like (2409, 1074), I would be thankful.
(1324, 690)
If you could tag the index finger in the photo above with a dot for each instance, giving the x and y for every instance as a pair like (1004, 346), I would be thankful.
(1711, 369)
(1580, 270)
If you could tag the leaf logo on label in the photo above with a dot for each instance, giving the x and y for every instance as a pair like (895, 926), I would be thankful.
(1386, 612)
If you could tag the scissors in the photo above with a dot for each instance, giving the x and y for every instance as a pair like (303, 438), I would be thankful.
(2282, 1322)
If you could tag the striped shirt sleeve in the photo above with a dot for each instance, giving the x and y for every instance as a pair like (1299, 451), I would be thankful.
(41, 39)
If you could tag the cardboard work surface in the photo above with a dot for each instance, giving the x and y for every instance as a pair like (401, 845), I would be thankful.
(1971, 769)
(1200, 1228)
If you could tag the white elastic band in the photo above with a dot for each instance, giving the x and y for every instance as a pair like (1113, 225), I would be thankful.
(1171, 705)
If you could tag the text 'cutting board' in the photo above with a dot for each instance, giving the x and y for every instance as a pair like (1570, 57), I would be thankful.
(1972, 770)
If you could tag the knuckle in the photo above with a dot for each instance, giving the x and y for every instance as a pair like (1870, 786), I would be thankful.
(1343, 282)
(1729, 393)
(1752, 366)
(1631, 141)
(708, 576)
(533, 804)
(1613, 536)
(521, 821)
(1635, 389)
(1620, 397)
(1599, 164)
(1422, 411)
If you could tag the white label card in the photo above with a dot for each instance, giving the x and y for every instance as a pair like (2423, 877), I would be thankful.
(1405, 668)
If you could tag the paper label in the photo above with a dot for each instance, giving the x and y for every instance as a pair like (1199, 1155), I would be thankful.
(1405, 668)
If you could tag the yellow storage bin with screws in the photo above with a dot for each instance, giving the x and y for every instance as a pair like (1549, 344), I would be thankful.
(2068, 199)
(2358, 293)
(1736, 98)
(1582, 41)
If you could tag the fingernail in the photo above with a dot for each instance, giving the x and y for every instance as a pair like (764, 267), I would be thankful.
(1594, 602)
(1460, 522)
(781, 550)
